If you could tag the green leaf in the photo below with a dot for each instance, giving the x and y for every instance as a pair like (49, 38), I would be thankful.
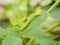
(12, 41)
(46, 42)
(36, 22)
(56, 13)
(8, 32)
(35, 31)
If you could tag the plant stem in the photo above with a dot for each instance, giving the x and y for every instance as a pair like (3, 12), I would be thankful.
(52, 28)
(54, 6)
(31, 16)
(30, 42)
(27, 22)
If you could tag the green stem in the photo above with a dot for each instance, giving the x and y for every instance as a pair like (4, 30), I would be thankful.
(52, 28)
(14, 24)
(30, 42)
(54, 6)
(27, 22)
(35, 13)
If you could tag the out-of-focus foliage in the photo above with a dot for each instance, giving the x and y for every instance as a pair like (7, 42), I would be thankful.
(29, 22)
